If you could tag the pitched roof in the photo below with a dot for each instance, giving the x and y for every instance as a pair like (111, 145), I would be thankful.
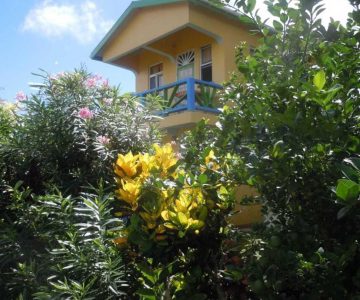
(96, 53)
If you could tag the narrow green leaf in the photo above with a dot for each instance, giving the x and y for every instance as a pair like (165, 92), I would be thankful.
(245, 19)
(181, 178)
(147, 294)
(355, 162)
(350, 173)
(147, 272)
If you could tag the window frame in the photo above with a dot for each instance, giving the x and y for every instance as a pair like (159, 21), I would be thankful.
(156, 75)
(210, 63)
(186, 66)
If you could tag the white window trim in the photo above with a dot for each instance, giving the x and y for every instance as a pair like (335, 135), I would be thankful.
(193, 64)
(155, 74)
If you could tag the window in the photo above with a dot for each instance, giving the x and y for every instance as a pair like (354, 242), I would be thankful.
(206, 64)
(185, 64)
(156, 76)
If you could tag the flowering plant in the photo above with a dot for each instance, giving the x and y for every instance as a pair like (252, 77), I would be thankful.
(71, 130)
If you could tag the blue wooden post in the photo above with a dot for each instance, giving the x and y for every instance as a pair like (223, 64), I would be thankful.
(190, 87)
(142, 97)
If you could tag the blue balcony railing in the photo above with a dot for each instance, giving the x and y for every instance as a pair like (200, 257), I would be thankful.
(185, 94)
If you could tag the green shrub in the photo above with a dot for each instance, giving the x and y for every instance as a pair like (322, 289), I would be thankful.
(292, 114)
(177, 219)
(60, 247)
(56, 232)
(68, 133)
(6, 121)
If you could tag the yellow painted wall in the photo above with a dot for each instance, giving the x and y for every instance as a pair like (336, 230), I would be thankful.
(176, 123)
(232, 33)
(144, 25)
(246, 214)
(223, 53)
(171, 34)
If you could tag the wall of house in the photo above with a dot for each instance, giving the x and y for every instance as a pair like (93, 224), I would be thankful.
(144, 24)
(231, 31)
(169, 34)
(178, 43)
(223, 51)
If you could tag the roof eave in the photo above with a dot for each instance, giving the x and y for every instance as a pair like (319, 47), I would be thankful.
(96, 53)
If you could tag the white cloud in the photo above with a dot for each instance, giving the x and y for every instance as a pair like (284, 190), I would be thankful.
(83, 22)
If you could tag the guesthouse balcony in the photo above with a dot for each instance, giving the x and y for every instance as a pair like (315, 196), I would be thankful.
(184, 102)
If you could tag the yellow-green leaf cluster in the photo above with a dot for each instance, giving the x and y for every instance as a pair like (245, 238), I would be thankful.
(168, 199)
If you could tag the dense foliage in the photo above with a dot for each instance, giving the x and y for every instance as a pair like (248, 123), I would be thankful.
(69, 133)
(176, 220)
(290, 127)
(60, 247)
(57, 148)
(292, 114)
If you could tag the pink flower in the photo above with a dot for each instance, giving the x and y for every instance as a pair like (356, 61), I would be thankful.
(57, 76)
(85, 113)
(103, 139)
(108, 101)
(91, 82)
(20, 96)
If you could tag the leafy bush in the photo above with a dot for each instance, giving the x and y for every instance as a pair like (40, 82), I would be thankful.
(61, 247)
(177, 219)
(68, 134)
(291, 125)
(292, 115)
(7, 120)
(348, 188)
(56, 232)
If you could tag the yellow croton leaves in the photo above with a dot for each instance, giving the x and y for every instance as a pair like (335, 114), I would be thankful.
(165, 157)
(170, 208)
(211, 161)
(130, 192)
(133, 170)
(187, 211)
(126, 165)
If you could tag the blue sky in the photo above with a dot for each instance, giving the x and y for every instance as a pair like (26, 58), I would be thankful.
(59, 35)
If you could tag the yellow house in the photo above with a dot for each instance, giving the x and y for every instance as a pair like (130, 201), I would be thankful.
(181, 50)
(165, 42)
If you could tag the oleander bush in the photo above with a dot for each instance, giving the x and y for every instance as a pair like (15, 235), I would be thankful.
(57, 149)
(71, 130)
(61, 247)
